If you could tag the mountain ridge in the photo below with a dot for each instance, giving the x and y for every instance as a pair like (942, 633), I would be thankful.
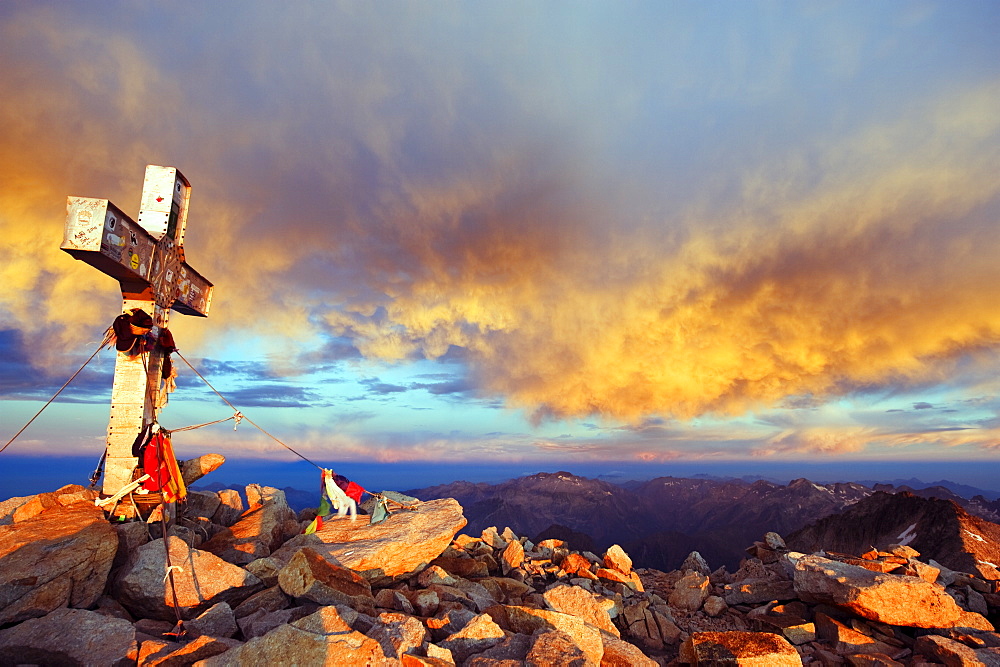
(938, 528)
(660, 521)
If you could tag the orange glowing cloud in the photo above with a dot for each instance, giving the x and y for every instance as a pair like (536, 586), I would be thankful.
(859, 258)
(877, 273)
(821, 441)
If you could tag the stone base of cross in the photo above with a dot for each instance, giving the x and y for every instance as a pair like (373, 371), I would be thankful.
(147, 259)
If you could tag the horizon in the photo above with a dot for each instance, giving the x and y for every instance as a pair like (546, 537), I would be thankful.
(28, 475)
(515, 233)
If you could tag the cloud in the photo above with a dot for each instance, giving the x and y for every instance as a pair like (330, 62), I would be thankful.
(599, 242)
(865, 429)
(21, 379)
(16, 372)
(861, 277)
(376, 386)
(350, 418)
(451, 386)
(262, 395)
(252, 371)
(821, 441)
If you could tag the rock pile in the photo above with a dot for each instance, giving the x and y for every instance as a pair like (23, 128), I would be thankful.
(250, 588)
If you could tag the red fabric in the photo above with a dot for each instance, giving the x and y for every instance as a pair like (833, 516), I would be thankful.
(354, 492)
(159, 462)
(155, 465)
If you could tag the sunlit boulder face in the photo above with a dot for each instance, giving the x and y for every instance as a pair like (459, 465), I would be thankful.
(887, 598)
(388, 551)
(57, 552)
(741, 648)
(197, 581)
(262, 529)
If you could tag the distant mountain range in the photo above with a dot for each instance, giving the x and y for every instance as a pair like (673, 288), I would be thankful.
(659, 522)
(961, 490)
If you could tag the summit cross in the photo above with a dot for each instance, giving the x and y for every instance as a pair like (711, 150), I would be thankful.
(147, 259)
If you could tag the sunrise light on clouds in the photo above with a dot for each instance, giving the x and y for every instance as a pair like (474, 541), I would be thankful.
(525, 231)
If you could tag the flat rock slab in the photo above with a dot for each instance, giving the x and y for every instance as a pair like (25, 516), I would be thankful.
(322, 638)
(57, 558)
(396, 548)
(750, 649)
(887, 598)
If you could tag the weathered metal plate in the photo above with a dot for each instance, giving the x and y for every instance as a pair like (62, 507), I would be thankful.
(166, 195)
(98, 233)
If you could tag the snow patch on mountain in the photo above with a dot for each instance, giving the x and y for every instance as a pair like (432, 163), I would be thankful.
(974, 536)
(907, 535)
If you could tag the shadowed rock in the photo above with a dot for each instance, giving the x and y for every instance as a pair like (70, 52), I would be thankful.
(69, 637)
(399, 633)
(230, 508)
(217, 621)
(258, 533)
(690, 591)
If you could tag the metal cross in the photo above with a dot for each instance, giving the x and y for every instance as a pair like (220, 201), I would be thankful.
(147, 259)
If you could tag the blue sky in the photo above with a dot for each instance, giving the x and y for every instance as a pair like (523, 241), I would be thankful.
(524, 232)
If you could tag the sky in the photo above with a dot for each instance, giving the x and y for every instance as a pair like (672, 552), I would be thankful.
(522, 232)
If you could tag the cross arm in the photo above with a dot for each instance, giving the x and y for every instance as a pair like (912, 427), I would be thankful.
(100, 234)
(194, 293)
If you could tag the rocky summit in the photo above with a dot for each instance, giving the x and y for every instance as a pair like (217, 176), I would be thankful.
(235, 585)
